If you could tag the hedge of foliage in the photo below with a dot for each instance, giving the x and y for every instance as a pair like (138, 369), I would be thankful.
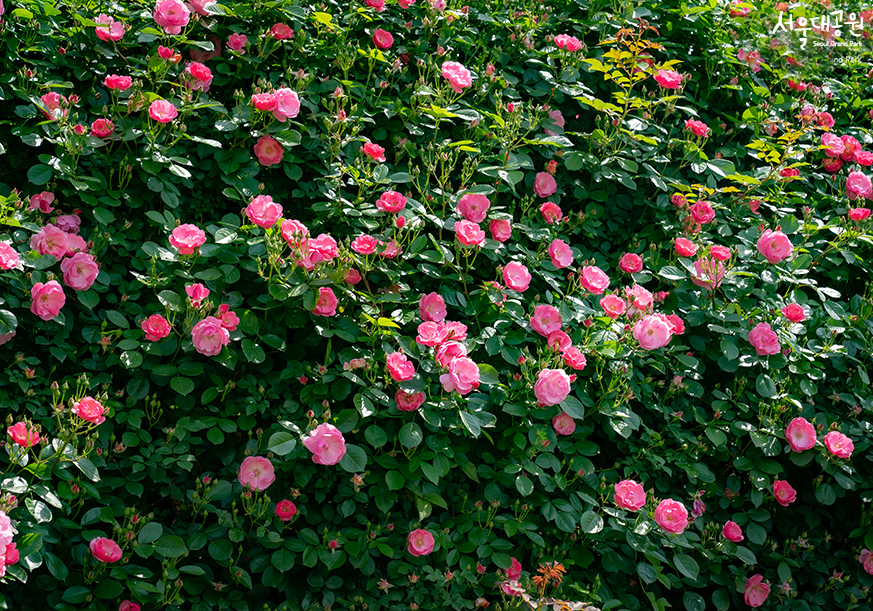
(422, 305)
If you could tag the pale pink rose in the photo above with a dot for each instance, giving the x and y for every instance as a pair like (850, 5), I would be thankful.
(421, 542)
(197, 293)
(457, 331)
(120, 83)
(698, 128)
(105, 550)
(327, 302)
(48, 299)
(200, 6)
(561, 254)
(794, 312)
(546, 320)
(516, 276)
(775, 246)
(80, 271)
(800, 434)
(382, 39)
(294, 233)
(469, 234)
(630, 495)
(668, 79)
(365, 244)
(613, 306)
(640, 298)
(75, 244)
(432, 333)
(163, 111)
(229, 320)
(708, 273)
(287, 104)
(764, 339)
(559, 341)
(353, 276)
(68, 223)
(463, 376)
(23, 435)
(263, 211)
(237, 42)
(501, 230)
(374, 152)
(753, 58)
(400, 368)
(171, 15)
(839, 445)
(563, 424)
(511, 588)
(631, 263)
(389, 250)
(89, 409)
(50, 240)
(732, 532)
(187, 238)
(268, 151)
(575, 359)
(42, 202)
(391, 201)
(326, 443)
(833, 145)
(653, 331)
(449, 350)
(859, 214)
(858, 185)
(473, 207)
(285, 510)
(756, 591)
(209, 336)
(155, 327)
(551, 213)
(784, 493)
(545, 184)
(56, 105)
(685, 247)
(108, 29)
(671, 516)
(409, 402)
(257, 473)
(325, 246)
(556, 119)
(594, 279)
(432, 307)
(866, 560)
(552, 386)
(8, 256)
(281, 31)
(458, 76)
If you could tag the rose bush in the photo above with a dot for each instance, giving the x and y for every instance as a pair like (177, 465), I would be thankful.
(424, 305)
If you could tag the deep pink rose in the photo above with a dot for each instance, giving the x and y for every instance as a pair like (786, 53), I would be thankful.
(653, 331)
(105, 550)
(469, 234)
(575, 359)
(364, 244)
(859, 214)
(501, 230)
(698, 128)
(463, 376)
(551, 213)
(458, 76)
(613, 305)
(858, 186)
(155, 327)
(473, 207)
(163, 111)
(374, 152)
(567, 43)
(800, 434)
(864, 158)
(671, 516)
(794, 312)
(42, 202)
(326, 443)
(108, 29)
(516, 276)
(784, 493)
(640, 298)
(48, 299)
(563, 424)
(545, 184)
(630, 495)
(685, 247)
(102, 128)
(285, 510)
(631, 263)
(594, 279)
(268, 151)
(432, 307)
(668, 79)
(552, 386)
(764, 339)
(257, 473)
(197, 77)
(400, 368)
(514, 570)
(377, 5)
(8, 256)
(187, 238)
(197, 293)
(756, 591)
(732, 532)
(80, 271)
(120, 83)
(382, 39)
(448, 351)
(559, 341)
(23, 435)
(229, 320)
(677, 325)
(237, 42)
(56, 105)
(421, 542)
(281, 31)
(838, 444)
(210, 336)
(546, 320)
(702, 212)
(265, 102)
(560, 254)
(89, 409)
(775, 246)
(263, 211)
(407, 402)
(391, 201)
(327, 302)
(50, 240)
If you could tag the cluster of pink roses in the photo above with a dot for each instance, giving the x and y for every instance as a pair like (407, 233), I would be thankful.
(8, 551)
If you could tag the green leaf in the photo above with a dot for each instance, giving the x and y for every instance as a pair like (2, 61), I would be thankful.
(394, 480)
(253, 352)
(28, 544)
(56, 566)
(150, 533)
(573, 407)
(765, 386)
(376, 436)
(687, 566)
(183, 386)
(487, 374)
(693, 602)
(39, 510)
(281, 443)
(471, 423)
(88, 468)
(591, 522)
(131, 359)
(215, 435)
(825, 494)
(282, 559)
(411, 435)
(722, 600)
(108, 589)
(170, 546)
(671, 273)
(77, 594)
(524, 485)
(355, 459)
(39, 174)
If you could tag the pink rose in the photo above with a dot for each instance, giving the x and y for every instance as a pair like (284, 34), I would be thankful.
(327, 302)
(516, 276)
(594, 279)
(774, 245)
(382, 39)
(400, 368)
(555, 119)
(80, 271)
(42, 202)
(89, 409)
(631, 263)
(653, 331)
(421, 542)
(732, 532)
(698, 128)
(365, 244)
(353, 276)
(784, 493)
(708, 273)
(838, 444)
(287, 104)
(685, 247)
(48, 299)
(560, 254)
(209, 336)
(545, 184)
(668, 79)
(864, 158)
(102, 128)
(281, 31)
(546, 320)
(108, 29)
(432, 307)
(24, 436)
(551, 213)
(563, 424)
(859, 214)
(407, 402)
(163, 111)
(447, 351)
(200, 6)
(702, 212)
(858, 185)
(294, 233)
(374, 152)
(469, 234)
(458, 76)
(197, 293)
(552, 386)
(677, 325)
(501, 230)
(833, 145)
(50, 240)
(326, 443)
(473, 207)
(432, 333)
(641, 299)
(630, 495)
(720, 253)
(671, 516)
(575, 359)
(229, 320)
(377, 5)
(285, 510)
(263, 211)
(832, 165)
(127, 605)
(851, 147)
(764, 339)
(866, 560)
(514, 570)
(511, 588)
(197, 77)
(559, 341)
(268, 151)
(265, 102)
(56, 105)
(8, 256)
(6, 337)
(756, 591)
(120, 83)
(391, 201)
(75, 244)
(187, 238)
(155, 327)
(800, 434)
(105, 550)
(237, 42)
(794, 312)
(567, 43)
(740, 11)
(172, 15)
(463, 376)
(256, 473)
(613, 305)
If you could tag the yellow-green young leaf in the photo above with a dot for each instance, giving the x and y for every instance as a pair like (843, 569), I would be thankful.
(387, 322)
